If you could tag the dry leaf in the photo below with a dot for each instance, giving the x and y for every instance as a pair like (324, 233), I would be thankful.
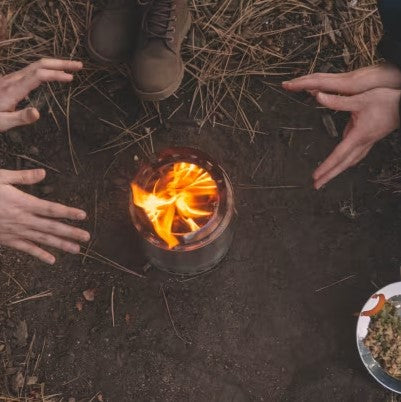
(21, 333)
(127, 318)
(32, 380)
(17, 382)
(79, 305)
(89, 294)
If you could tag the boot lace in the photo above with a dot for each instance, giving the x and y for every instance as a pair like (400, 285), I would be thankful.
(157, 18)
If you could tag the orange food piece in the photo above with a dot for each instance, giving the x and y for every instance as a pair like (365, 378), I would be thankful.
(378, 308)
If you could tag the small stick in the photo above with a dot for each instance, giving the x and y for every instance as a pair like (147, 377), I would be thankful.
(46, 293)
(256, 187)
(107, 261)
(94, 396)
(71, 381)
(27, 158)
(171, 318)
(112, 306)
(175, 110)
(335, 283)
(259, 164)
(39, 358)
(15, 281)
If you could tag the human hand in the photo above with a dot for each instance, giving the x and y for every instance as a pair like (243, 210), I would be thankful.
(16, 86)
(374, 115)
(384, 75)
(26, 220)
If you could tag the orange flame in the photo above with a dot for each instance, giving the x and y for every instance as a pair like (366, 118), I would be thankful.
(181, 201)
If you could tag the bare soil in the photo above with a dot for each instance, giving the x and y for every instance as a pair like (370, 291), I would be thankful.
(255, 328)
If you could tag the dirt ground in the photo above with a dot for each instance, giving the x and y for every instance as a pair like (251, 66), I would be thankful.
(255, 328)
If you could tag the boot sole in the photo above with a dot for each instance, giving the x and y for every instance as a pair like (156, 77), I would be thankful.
(166, 93)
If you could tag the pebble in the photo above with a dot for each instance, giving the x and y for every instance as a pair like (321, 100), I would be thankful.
(46, 190)
(34, 150)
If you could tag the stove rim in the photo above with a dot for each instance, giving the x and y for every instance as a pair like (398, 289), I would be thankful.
(218, 223)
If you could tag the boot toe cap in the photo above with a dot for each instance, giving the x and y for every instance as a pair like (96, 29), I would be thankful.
(155, 75)
(110, 42)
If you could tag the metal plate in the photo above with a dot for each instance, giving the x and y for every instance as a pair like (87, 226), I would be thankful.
(391, 292)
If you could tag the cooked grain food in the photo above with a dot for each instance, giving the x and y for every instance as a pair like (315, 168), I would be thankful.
(384, 339)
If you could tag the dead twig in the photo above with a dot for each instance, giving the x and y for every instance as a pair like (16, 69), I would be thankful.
(171, 318)
(41, 295)
(335, 283)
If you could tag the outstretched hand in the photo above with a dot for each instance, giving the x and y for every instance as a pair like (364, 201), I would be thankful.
(374, 102)
(16, 86)
(374, 115)
(26, 221)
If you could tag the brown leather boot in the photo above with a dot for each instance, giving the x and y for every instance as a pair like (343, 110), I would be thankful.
(112, 33)
(157, 65)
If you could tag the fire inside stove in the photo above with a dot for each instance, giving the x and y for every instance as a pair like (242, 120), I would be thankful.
(182, 206)
(180, 200)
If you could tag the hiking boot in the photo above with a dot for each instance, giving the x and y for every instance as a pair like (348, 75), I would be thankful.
(111, 36)
(157, 66)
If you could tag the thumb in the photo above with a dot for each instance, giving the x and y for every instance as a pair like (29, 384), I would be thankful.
(22, 176)
(19, 118)
(340, 103)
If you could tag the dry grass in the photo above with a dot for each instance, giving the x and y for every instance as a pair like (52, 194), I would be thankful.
(235, 51)
(236, 44)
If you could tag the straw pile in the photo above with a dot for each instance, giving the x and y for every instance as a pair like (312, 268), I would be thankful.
(235, 50)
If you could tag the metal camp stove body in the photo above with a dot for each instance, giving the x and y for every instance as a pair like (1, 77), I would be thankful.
(200, 250)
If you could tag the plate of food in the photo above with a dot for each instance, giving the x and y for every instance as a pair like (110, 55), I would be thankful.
(378, 336)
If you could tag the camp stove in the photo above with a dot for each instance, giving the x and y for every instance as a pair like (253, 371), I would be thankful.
(182, 205)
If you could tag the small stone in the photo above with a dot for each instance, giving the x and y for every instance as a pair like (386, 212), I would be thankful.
(136, 158)
(46, 190)
(89, 294)
(34, 150)
(71, 400)
(2, 347)
(100, 397)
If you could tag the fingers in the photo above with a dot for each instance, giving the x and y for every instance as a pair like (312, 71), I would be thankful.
(53, 241)
(338, 83)
(59, 229)
(23, 177)
(57, 64)
(339, 103)
(345, 155)
(54, 210)
(48, 64)
(45, 70)
(23, 117)
(353, 158)
(31, 81)
(30, 248)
